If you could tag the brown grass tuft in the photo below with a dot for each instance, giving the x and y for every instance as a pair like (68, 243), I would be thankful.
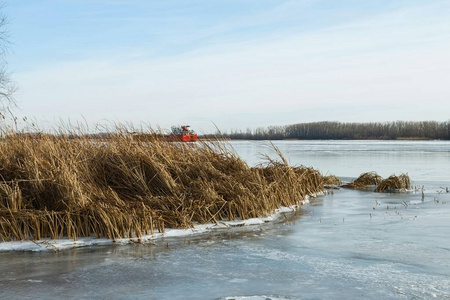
(394, 183)
(364, 180)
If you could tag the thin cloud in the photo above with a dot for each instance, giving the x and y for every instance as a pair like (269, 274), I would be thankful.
(364, 70)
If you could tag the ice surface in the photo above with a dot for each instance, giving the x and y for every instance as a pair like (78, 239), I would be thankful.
(422, 160)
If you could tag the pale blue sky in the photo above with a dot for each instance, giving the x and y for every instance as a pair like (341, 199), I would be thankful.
(236, 63)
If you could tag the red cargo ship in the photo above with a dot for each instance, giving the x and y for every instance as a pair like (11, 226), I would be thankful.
(183, 134)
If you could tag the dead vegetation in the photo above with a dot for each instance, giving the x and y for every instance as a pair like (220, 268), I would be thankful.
(53, 186)
(331, 182)
(392, 184)
(365, 180)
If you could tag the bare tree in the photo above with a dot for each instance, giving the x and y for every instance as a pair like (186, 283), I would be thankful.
(7, 87)
(349, 131)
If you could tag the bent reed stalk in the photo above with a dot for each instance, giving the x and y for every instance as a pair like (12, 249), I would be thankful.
(53, 186)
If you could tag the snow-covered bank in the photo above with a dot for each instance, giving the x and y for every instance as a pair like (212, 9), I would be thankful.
(66, 243)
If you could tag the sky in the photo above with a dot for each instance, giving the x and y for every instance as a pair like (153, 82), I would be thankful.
(234, 64)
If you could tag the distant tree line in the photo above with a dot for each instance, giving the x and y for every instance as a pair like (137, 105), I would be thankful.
(347, 131)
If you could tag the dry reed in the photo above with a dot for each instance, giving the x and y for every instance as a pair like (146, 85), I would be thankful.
(364, 180)
(394, 183)
(53, 186)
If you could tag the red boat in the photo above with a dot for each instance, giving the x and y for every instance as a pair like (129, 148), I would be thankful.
(183, 134)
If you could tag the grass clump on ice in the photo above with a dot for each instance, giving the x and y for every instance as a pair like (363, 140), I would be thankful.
(364, 180)
(394, 183)
(53, 186)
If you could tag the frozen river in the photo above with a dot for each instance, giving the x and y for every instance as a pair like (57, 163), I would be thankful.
(346, 245)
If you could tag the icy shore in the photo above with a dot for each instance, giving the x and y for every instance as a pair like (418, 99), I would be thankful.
(66, 243)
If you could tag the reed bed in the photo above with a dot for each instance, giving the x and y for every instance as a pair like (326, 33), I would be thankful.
(365, 180)
(394, 183)
(55, 186)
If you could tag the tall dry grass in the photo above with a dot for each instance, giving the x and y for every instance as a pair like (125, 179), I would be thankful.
(52, 186)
